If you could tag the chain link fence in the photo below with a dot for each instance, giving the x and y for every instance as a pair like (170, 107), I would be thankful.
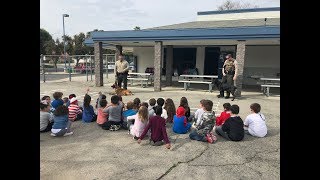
(62, 68)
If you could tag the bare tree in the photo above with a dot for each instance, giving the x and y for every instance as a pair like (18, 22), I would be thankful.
(229, 5)
(136, 28)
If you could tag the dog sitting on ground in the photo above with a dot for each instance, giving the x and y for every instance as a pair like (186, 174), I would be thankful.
(120, 91)
(225, 87)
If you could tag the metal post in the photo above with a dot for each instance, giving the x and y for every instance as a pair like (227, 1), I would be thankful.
(64, 41)
(90, 68)
(70, 70)
(64, 44)
(87, 66)
(43, 72)
(107, 70)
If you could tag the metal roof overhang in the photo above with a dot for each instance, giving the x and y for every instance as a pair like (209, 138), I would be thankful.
(147, 37)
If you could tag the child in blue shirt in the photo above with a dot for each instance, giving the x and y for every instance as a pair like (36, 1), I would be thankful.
(88, 114)
(180, 124)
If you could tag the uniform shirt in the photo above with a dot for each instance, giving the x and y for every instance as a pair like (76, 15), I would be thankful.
(235, 63)
(121, 67)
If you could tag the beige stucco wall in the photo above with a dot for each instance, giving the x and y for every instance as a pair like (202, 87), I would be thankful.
(145, 57)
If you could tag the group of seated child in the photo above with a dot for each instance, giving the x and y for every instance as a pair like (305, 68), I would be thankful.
(150, 118)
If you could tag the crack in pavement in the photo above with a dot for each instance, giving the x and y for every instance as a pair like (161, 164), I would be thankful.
(248, 160)
(175, 165)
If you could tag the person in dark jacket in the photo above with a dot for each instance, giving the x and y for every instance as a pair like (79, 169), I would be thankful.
(232, 129)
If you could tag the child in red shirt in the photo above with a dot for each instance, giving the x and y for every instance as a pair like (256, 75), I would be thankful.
(224, 115)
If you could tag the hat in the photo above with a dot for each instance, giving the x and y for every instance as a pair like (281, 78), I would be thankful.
(74, 99)
(180, 111)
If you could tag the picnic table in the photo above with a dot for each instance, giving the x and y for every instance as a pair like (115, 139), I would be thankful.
(268, 83)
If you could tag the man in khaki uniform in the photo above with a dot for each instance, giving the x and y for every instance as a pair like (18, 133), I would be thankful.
(230, 72)
(121, 71)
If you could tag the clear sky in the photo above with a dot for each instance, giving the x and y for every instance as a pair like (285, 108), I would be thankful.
(87, 15)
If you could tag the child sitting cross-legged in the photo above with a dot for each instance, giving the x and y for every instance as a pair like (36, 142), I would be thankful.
(129, 112)
(88, 114)
(114, 111)
(102, 117)
(204, 127)
(180, 124)
(255, 123)
(75, 113)
(232, 129)
(46, 119)
(152, 106)
(140, 121)
(61, 124)
(57, 100)
(224, 115)
(157, 124)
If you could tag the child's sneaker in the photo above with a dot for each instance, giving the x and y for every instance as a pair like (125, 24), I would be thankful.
(68, 133)
(112, 128)
(52, 134)
(117, 127)
(135, 138)
(211, 138)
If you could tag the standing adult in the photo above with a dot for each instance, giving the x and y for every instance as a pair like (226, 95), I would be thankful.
(121, 71)
(230, 73)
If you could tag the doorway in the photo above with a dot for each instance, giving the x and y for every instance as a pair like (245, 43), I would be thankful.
(212, 56)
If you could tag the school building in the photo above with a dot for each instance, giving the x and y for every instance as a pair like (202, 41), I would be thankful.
(252, 36)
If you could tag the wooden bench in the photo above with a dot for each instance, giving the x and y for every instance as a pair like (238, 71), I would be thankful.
(266, 88)
(144, 81)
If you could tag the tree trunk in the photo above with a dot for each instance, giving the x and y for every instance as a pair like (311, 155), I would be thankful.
(77, 61)
(55, 64)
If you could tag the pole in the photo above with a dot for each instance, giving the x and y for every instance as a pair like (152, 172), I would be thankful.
(91, 67)
(87, 66)
(64, 44)
(43, 72)
(107, 70)
(69, 70)
(90, 70)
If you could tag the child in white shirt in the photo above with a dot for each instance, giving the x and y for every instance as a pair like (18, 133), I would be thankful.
(255, 123)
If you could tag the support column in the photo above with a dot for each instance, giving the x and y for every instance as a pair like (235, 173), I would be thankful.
(241, 50)
(169, 64)
(98, 61)
(118, 51)
(157, 65)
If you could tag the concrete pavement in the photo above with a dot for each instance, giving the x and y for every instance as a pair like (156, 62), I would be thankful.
(94, 153)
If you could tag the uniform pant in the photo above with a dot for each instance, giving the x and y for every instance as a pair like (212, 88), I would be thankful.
(122, 78)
